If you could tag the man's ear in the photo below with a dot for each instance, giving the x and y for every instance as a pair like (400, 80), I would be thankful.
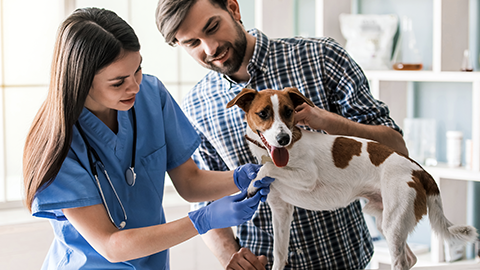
(297, 97)
(243, 99)
(234, 9)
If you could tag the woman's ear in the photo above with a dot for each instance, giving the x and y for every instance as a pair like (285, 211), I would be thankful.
(234, 9)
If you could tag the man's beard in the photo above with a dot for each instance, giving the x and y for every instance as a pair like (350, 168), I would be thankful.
(238, 49)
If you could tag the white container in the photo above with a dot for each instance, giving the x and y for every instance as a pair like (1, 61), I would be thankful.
(468, 154)
(454, 148)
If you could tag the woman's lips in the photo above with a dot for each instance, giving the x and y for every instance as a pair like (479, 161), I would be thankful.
(128, 101)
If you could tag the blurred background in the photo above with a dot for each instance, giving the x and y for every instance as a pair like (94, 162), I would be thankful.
(438, 41)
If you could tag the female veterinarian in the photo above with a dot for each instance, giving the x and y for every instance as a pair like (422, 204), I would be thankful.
(97, 152)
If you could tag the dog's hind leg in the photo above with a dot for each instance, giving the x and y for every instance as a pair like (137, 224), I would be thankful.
(398, 221)
(282, 216)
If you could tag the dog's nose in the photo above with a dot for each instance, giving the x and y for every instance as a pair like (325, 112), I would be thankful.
(283, 139)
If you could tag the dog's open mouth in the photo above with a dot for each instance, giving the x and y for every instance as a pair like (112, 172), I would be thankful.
(279, 155)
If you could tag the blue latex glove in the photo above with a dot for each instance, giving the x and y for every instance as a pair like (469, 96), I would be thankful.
(243, 175)
(226, 212)
(263, 186)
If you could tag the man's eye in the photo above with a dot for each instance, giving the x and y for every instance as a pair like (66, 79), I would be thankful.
(193, 43)
(213, 28)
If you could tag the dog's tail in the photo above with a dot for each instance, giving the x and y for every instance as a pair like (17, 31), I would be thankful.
(454, 234)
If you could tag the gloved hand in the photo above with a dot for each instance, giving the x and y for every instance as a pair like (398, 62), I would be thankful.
(243, 175)
(227, 212)
(263, 187)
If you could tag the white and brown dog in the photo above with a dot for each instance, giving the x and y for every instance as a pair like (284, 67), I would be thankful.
(316, 171)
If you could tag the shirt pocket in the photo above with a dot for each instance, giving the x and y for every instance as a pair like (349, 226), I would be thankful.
(154, 168)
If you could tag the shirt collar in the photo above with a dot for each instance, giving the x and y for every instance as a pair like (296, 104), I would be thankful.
(260, 53)
(258, 62)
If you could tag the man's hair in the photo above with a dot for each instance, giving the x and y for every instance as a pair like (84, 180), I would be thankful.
(171, 13)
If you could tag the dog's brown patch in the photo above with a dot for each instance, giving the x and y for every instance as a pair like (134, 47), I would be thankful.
(344, 149)
(424, 185)
(296, 135)
(378, 153)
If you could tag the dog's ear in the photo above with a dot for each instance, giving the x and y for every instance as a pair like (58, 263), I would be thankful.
(297, 97)
(243, 99)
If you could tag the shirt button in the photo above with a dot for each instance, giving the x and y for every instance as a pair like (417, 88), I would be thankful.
(299, 251)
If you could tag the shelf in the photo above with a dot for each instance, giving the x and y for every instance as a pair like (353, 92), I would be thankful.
(460, 173)
(422, 76)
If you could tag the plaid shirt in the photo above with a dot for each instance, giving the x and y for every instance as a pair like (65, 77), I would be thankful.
(323, 72)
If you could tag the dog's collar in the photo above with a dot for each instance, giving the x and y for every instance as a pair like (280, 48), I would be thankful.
(257, 143)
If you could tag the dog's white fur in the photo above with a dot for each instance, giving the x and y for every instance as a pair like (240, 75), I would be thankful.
(313, 180)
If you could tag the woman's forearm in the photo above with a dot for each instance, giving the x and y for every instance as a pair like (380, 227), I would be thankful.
(195, 185)
(115, 245)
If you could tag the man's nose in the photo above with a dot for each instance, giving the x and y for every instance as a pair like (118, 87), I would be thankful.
(210, 47)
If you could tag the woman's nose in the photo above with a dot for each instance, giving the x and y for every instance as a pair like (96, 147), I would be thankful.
(134, 86)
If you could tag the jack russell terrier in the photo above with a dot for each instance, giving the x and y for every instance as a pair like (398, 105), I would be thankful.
(317, 171)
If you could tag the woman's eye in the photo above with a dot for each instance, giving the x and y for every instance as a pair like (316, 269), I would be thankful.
(118, 84)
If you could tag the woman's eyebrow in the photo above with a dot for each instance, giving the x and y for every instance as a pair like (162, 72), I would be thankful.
(119, 78)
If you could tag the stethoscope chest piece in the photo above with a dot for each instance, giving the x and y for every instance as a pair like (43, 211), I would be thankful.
(130, 176)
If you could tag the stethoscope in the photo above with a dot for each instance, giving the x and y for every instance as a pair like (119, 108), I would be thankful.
(130, 175)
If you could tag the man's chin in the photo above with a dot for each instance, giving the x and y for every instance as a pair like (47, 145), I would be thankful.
(224, 69)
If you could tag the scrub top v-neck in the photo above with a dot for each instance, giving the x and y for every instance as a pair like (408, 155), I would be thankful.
(165, 140)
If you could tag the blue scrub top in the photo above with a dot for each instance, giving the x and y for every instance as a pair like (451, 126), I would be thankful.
(165, 140)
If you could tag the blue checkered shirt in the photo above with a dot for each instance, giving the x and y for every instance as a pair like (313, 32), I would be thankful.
(323, 72)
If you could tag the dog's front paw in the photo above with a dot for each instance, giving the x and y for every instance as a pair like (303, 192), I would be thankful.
(251, 191)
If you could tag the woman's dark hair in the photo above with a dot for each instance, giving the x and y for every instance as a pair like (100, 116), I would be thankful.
(87, 41)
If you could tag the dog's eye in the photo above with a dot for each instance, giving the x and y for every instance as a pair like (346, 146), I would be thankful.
(288, 112)
(263, 114)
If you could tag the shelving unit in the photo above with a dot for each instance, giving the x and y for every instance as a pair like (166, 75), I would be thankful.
(375, 77)
(450, 35)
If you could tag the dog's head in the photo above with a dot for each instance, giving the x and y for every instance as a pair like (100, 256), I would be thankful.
(270, 113)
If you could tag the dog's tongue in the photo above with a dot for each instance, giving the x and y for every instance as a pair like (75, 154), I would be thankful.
(279, 156)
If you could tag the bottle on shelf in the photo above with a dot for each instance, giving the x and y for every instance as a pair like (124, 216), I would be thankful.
(466, 63)
(407, 56)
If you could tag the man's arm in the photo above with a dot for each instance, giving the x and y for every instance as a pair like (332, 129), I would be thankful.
(224, 246)
(222, 243)
(335, 124)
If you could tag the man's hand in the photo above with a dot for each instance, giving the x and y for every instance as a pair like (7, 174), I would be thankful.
(318, 118)
(244, 259)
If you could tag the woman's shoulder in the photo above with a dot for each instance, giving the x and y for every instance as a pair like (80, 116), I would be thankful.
(152, 89)
(151, 82)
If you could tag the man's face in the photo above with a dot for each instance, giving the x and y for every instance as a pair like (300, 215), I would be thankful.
(213, 37)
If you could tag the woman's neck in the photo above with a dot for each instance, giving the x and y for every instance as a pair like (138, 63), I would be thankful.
(108, 117)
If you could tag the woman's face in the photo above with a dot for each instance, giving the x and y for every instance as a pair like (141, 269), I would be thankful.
(115, 86)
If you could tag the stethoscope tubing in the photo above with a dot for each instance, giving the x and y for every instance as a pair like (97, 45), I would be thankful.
(91, 152)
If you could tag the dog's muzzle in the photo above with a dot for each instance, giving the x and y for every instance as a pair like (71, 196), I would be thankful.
(279, 155)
